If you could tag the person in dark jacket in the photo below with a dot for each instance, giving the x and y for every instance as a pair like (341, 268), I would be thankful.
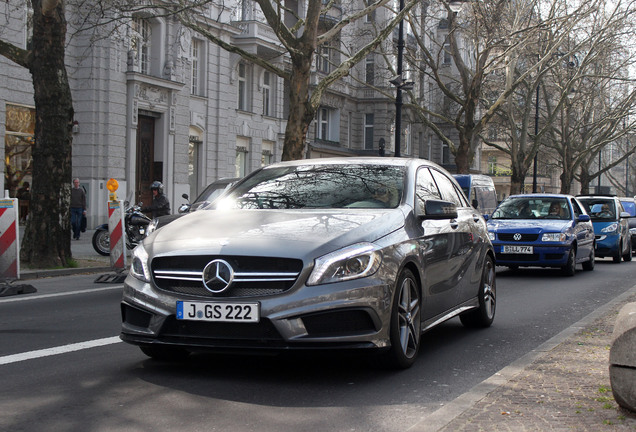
(160, 205)
(78, 207)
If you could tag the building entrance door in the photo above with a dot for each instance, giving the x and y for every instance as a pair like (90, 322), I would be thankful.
(145, 168)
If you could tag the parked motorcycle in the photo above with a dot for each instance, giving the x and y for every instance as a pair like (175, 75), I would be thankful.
(135, 223)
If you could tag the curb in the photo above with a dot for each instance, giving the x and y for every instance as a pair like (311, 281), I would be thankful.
(441, 417)
(37, 274)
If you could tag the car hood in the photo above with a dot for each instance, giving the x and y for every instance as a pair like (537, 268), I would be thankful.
(282, 233)
(529, 226)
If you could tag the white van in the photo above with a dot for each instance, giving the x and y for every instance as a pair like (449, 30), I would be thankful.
(480, 191)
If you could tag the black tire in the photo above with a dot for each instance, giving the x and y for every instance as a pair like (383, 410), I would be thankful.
(487, 295)
(570, 268)
(165, 353)
(589, 265)
(617, 256)
(628, 255)
(406, 325)
(101, 242)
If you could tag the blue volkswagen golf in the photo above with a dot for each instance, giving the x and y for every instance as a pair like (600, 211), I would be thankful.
(542, 230)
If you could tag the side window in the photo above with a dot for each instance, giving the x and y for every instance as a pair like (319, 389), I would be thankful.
(425, 188)
(576, 209)
(447, 188)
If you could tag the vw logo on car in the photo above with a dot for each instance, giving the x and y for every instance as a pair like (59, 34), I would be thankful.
(517, 237)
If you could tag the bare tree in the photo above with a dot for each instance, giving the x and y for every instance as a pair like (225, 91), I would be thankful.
(590, 105)
(300, 36)
(46, 241)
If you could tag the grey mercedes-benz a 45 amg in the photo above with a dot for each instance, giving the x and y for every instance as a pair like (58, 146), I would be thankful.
(348, 253)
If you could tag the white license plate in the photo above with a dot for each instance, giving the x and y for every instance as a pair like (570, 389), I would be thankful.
(517, 249)
(218, 311)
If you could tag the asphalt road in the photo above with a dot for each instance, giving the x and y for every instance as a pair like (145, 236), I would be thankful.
(63, 367)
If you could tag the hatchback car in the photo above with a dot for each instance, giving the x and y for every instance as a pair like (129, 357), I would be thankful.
(351, 253)
(544, 230)
(611, 226)
(629, 205)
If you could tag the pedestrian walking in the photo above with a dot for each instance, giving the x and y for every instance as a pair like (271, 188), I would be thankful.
(78, 207)
(24, 196)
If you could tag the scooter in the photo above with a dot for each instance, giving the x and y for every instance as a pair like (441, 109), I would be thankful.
(135, 223)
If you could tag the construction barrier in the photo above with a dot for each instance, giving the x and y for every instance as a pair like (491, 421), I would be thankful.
(9, 239)
(117, 235)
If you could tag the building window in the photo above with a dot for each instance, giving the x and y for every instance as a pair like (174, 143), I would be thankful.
(267, 156)
(197, 67)
(243, 87)
(492, 165)
(18, 143)
(368, 131)
(323, 123)
(242, 144)
(445, 154)
(328, 124)
(407, 139)
(447, 53)
(194, 150)
(140, 43)
(267, 90)
(323, 59)
(370, 17)
(370, 70)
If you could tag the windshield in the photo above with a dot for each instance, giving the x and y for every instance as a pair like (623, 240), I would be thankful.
(533, 208)
(320, 186)
(599, 209)
(629, 207)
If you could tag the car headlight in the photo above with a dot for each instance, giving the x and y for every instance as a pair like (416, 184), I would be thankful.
(553, 237)
(610, 228)
(353, 262)
(139, 267)
(491, 236)
(152, 227)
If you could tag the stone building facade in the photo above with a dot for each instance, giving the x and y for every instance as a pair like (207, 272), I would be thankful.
(156, 101)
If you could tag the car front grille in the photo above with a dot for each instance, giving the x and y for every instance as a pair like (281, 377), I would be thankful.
(524, 237)
(253, 276)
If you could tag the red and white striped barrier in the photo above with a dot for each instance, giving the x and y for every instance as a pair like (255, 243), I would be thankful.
(117, 235)
(9, 239)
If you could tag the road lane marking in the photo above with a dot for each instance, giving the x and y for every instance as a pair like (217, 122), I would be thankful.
(29, 355)
(37, 297)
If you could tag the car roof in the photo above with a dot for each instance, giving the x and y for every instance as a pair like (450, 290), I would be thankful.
(370, 160)
(541, 195)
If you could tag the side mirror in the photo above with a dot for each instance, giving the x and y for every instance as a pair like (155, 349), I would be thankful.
(486, 216)
(475, 203)
(624, 215)
(584, 218)
(437, 209)
(185, 196)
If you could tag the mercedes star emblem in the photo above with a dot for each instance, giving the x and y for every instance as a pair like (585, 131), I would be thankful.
(218, 276)
(517, 236)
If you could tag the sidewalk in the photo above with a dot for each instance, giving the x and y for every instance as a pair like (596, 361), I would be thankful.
(87, 259)
(563, 385)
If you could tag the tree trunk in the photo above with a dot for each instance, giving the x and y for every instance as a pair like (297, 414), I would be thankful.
(516, 182)
(584, 179)
(47, 239)
(302, 115)
(462, 155)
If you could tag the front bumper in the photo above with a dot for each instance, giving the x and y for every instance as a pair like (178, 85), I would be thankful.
(543, 255)
(607, 245)
(352, 314)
